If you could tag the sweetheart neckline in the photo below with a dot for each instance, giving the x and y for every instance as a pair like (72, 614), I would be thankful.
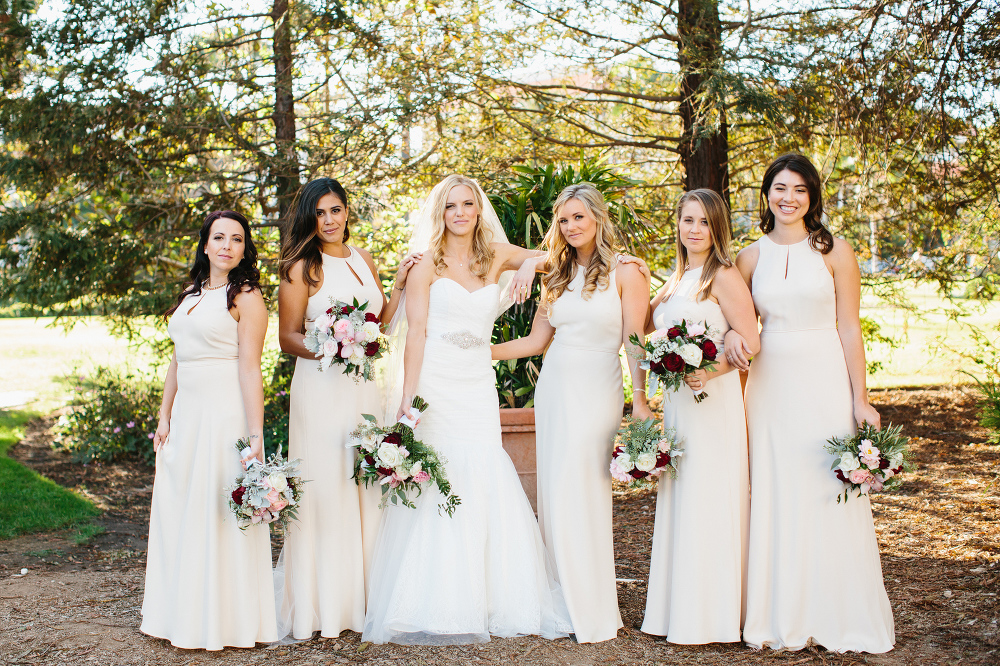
(459, 284)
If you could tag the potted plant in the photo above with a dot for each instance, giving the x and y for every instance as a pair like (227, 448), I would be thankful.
(524, 207)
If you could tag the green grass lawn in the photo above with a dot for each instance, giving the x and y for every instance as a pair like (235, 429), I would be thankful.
(28, 501)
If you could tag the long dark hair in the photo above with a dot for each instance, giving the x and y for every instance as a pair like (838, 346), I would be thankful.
(820, 238)
(245, 274)
(301, 242)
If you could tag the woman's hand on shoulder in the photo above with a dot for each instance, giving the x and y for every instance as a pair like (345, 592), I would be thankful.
(408, 262)
(624, 259)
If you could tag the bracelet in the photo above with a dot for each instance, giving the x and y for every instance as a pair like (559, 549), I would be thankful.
(254, 437)
(635, 390)
(396, 286)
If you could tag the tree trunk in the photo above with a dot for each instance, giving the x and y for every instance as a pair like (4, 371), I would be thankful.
(286, 164)
(704, 146)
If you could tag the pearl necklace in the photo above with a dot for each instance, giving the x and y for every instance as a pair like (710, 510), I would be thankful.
(205, 286)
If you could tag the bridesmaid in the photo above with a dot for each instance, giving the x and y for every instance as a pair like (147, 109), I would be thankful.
(327, 551)
(590, 306)
(695, 592)
(209, 585)
(813, 572)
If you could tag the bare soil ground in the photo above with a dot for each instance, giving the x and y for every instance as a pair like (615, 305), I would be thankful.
(939, 537)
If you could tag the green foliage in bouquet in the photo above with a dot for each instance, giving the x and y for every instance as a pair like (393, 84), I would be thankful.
(370, 468)
(884, 468)
(113, 417)
(524, 207)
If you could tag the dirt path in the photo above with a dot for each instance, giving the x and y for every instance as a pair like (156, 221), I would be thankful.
(939, 536)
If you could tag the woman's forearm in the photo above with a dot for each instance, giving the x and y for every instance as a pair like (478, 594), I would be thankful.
(413, 360)
(252, 387)
(518, 348)
(391, 306)
(854, 354)
(169, 390)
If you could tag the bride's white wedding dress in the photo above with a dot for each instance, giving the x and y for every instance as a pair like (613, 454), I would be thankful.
(439, 580)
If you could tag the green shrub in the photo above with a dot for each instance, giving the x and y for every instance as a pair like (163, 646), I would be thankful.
(113, 416)
(278, 369)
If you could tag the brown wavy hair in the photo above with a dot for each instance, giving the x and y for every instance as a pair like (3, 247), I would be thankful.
(820, 238)
(244, 274)
(482, 253)
(561, 258)
(301, 242)
(717, 214)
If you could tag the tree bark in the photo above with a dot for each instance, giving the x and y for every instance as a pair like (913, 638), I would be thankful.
(704, 145)
(286, 164)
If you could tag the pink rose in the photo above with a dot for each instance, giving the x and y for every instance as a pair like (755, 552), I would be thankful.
(860, 476)
(618, 473)
(421, 477)
(273, 496)
(278, 506)
(403, 450)
(696, 329)
(330, 347)
(342, 329)
(663, 446)
(658, 334)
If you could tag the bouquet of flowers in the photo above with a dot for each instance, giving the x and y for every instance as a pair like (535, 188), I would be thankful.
(673, 353)
(394, 459)
(266, 492)
(644, 451)
(348, 335)
(871, 460)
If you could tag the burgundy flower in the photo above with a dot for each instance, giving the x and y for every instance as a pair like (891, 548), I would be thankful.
(709, 350)
(618, 451)
(898, 470)
(674, 332)
(384, 471)
(329, 311)
(370, 460)
(638, 473)
(393, 438)
(371, 316)
(347, 309)
(657, 367)
(238, 495)
(662, 459)
(673, 362)
(840, 475)
(371, 349)
(883, 463)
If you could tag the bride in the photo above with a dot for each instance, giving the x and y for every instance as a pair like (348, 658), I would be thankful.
(440, 580)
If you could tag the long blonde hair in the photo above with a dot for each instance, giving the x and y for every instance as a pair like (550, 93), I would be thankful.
(561, 258)
(717, 214)
(482, 253)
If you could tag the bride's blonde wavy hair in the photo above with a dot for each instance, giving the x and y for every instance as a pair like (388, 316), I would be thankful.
(561, 257)
(482, 254)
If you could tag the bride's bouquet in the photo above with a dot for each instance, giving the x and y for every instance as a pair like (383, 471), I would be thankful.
(266, 492)
(348, 335)
(675, 352)
(643, 451)
(870, 461)
(394, 459)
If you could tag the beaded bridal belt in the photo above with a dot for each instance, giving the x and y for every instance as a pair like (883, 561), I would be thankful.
(463, 339)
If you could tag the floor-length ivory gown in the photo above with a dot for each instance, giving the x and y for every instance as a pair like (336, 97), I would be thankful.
(443, 580)
(324, 557)
(813, 571)
(208, 585)
(578, 410)
(696, 571)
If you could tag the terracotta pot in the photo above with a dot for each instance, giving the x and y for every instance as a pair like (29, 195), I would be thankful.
(518, 428)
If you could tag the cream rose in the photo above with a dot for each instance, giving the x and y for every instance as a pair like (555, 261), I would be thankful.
(691, 354)
(277, 481)
(624, 462)
(646, 461)
(389, 455)
(849, 462)
(371, 331)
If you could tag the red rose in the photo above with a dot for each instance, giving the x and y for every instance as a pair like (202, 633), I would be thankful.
(393, 438)
(329, 311)
(883, 463)
(384, 471)
(674, 332)
(371, 349)
(673, 362)
(840, 475)
(638, 473)
(709, 350)
(657, 367)
(238, 495)
(347, 309)
(662, 459)
(371, 316)
(370, 460)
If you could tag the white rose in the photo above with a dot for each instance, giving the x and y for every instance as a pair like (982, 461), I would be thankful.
(646, 461)
(330, 347)
(371, 331)
(323, 323)
(389, 455)
(277, 481)
(358, 357)
(624, 462)
(849, 462)
(896, 460)
(691, 353)
(416, 469)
